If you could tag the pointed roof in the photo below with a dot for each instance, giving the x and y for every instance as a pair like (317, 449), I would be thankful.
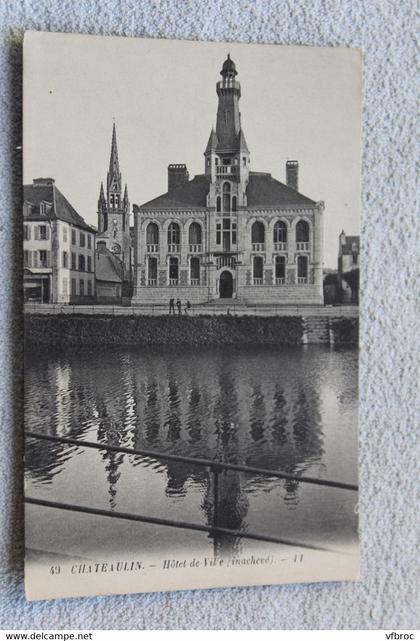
(212, 143)
(44, 190)
(125, 198)
(242, 142)
(114, 166)
(102, 193)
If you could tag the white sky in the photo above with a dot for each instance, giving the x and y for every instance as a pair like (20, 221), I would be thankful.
(299, 103)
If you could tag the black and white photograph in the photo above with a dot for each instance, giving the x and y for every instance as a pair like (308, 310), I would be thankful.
(191, 249)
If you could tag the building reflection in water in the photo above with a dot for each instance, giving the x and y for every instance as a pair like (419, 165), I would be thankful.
(259, 407)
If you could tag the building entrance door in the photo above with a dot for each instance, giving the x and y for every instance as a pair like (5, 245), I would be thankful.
(226, 285)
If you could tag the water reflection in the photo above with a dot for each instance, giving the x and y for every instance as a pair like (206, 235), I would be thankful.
(261, 407)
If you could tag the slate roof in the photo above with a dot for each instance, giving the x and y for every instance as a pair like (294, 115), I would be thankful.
(59, 207)
(265, 191)
(190, 195)
(262, 191)
(108, 268)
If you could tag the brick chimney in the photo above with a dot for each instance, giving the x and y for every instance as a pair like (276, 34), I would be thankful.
(43, 182)
(177, 176)
(292, 174)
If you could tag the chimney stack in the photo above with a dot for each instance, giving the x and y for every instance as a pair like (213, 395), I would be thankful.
(292, 174)
(177, 176)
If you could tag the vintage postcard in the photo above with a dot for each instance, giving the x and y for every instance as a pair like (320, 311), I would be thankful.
(191, 274)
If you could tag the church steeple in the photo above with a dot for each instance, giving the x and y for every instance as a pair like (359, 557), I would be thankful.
(114, 174)
(114, 213)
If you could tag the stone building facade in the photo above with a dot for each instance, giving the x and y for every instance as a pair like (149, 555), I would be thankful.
(58, 247)
(348, 267)
(229, 232)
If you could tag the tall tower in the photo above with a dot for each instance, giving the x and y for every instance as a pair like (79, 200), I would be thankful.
(227, 154)
(114, 211)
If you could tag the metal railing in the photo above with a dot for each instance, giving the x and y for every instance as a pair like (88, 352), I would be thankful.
(214, 467)
(158, 309)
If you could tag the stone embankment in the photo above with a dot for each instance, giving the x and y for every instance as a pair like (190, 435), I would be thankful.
(66, 330)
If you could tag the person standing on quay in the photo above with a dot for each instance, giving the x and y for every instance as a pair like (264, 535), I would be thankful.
(171, 306)
(178, 304)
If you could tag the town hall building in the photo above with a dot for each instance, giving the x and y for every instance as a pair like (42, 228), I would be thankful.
(229, 233)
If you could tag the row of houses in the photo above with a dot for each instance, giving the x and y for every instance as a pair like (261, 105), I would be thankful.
(68, 261)
(229, 232)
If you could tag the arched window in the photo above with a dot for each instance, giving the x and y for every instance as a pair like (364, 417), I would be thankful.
(280, 270)
(302, 269)
(174, 234)
(152, 237)
(257, 236)
(234, 203)
(280, 232)
(302, 232)
(194, 235)
(152, 271)
(218, 204)
(258, 267)
(195, 271)
(226, 197)
(173, 270)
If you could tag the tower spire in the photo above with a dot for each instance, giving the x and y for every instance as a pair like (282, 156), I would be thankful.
(114, 175)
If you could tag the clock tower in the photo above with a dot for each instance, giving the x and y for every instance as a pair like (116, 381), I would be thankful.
(114, 213)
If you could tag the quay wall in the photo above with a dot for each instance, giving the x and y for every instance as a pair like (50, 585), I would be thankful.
(66, 330)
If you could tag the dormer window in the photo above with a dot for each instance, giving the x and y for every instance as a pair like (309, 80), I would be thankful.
(42, 209)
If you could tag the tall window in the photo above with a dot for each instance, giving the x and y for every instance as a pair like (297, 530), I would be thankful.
(26, 232)
(89, 241)
(258, 235)
(64, 234)
(26, 258)
(218, 204)
(226, 197)
(302, 269)
(43, 258)
(302, 232)
(65, 260)
(73, 260)
(234, 203)
(194, 235)
(173, 271)
(82, 240)
(82, 287)
(73, 236)
(258, 267)
(195, 271)
(73, 286)
(43, 234)
(89, 264)
(280, 232)
(89, 285)
(152, 271)
(174, 234)
(152, 236)
(280, 267)
(82, 263)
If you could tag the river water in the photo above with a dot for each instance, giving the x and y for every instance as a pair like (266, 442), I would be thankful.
(286, 408)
